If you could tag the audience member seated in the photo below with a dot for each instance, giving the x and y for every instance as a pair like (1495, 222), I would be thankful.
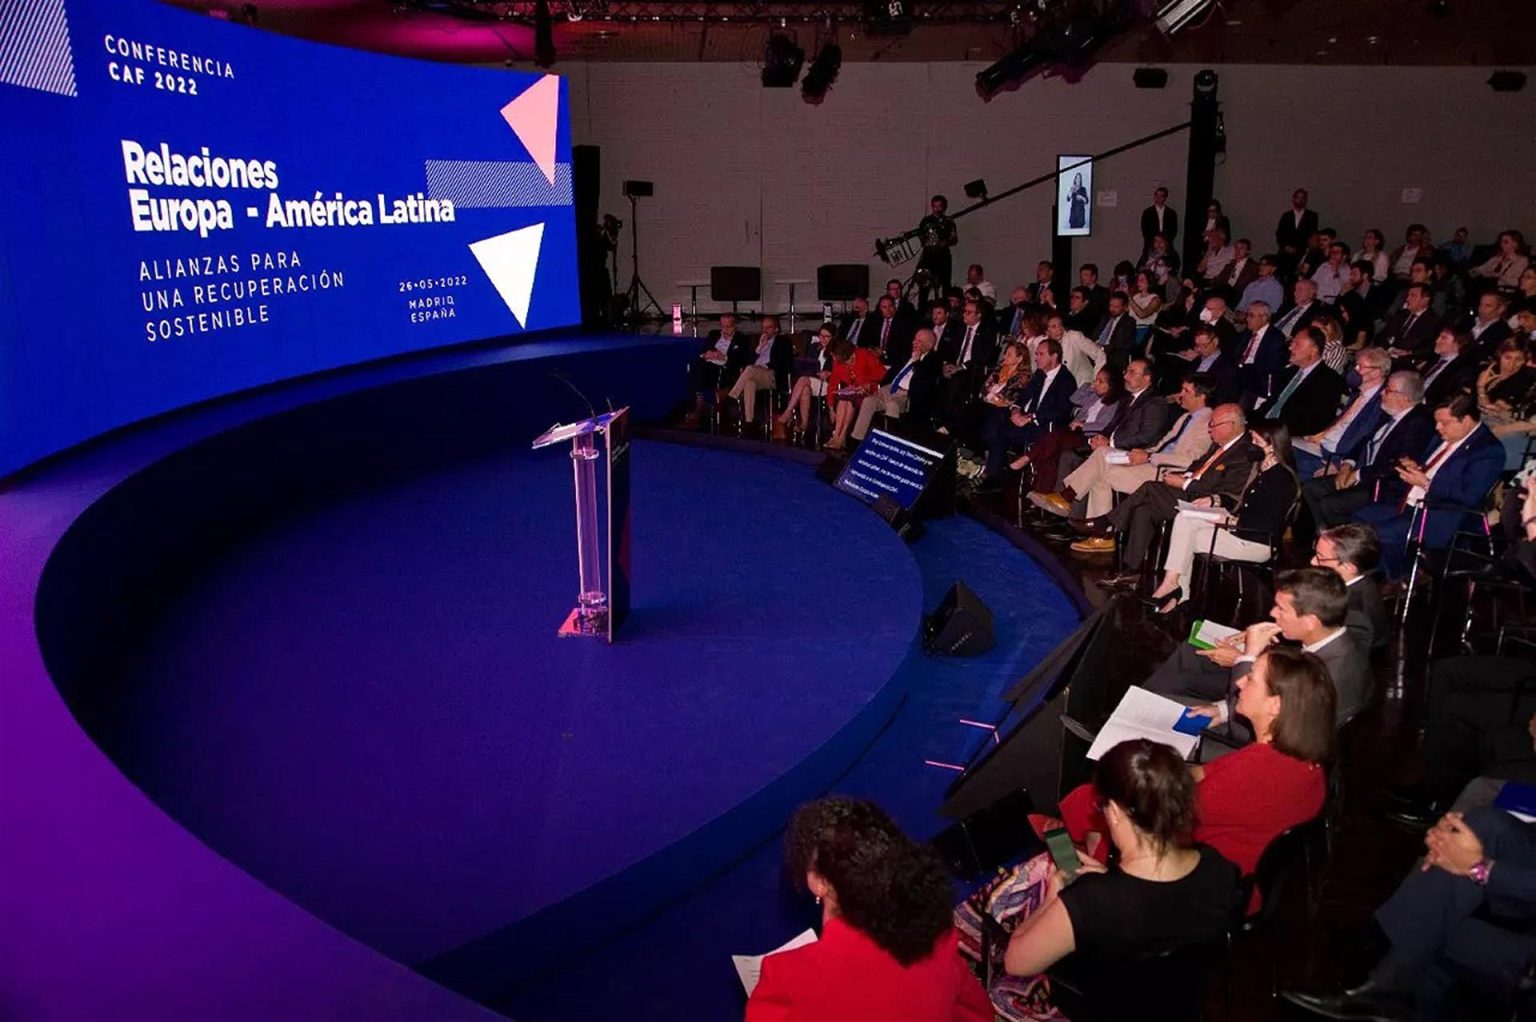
(1506, 265)
(811, 386)
(1043, 291)
(1246, 800)
(851, 326)
(1142, 422)
(913, 390)
(1217, 257)
(1240, 272)
(1302, 309)
(856, 372)
(767, 365)
(707, 374)
(946, 331)
(1405, 432)
(1042, 405)
(1411, 333)
(1489, 327)
(1308, 394)
(1164, 892)
(1097, 295)
(1207, 359)
(1452, 368)
(1335, 355)
(1146, 303)
(1118, 334)
(976, 277)
(1359, 420)
(1311, 608)
(1459, 471)
(1010, 318)
(1093, 483)
(1100, 406)
(888, 948)
(1246, 534)
(1504, 396)
(1462, 919)
(1332, 277)
(1161, 264)
(1266, 287)
(1353, 552)
(1371, 251)
(1080, 355)
(1358, 305)
(1415, 247)
(971, 353)
(888, 333)
(1262, 354)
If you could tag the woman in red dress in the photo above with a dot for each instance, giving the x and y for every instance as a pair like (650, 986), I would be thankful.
(887, 951)
(856, 372)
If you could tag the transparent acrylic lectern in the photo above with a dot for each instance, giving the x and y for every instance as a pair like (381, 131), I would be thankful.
(602, 598)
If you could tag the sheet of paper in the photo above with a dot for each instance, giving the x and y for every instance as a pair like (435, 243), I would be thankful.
(750, 967)
(1312, 447)
(1113, 457)
(1143, 714)
(1215, 514)
(1208, 634)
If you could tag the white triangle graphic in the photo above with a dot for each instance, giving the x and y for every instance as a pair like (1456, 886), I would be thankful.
(510, 260)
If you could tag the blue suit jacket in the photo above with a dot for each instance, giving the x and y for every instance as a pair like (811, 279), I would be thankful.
(1465, 478)
(1053, 409)
(1408, 439)
(1361, 429)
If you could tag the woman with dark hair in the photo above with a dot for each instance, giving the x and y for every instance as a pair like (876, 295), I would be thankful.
(888, 946)
(809, 385)
(856, 372)
(1100, 403)
(1506, 266)
(1077, 203)
(1160, 892)
(1246, 799)
(1245, 533)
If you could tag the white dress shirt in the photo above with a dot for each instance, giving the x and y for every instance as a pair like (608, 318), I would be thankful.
(1439, 456)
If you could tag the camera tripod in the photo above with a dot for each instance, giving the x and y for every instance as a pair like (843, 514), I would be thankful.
(633, 310)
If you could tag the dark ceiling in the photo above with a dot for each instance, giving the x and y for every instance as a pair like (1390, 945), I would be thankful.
(1378, 32)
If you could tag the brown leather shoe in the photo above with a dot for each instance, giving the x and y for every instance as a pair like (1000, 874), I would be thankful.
(1095, 545)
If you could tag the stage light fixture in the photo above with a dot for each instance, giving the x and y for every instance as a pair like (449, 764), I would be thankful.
(1205, 82)
(1009, 71)
(782, 61)
(889, 17)
(1174, 16)
(822, 73)
(1150, 78)
(639, 189)
(976, 189)
(1506, 81)
(543, 35)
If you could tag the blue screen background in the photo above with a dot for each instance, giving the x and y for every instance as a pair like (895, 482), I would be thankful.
(74, 357)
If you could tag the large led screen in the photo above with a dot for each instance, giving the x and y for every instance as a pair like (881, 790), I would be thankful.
(190, 207)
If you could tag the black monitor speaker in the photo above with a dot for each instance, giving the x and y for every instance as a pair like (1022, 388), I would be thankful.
(735, 283)
(961, 626)
(842, 282)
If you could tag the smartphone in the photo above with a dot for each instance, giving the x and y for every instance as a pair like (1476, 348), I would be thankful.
(1062, 853)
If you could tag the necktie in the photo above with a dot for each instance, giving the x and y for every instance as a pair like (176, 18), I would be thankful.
(1018, 320)
(1438, 368)
(1445, 449)
(906, 371)
(1407, 326)
(1285, 395)
(1287, 324)
(1252, 350)
(965, 349)
(853, 331)
(1109, 328)
(885, 333)
(1207, 463)
(1376, 441)
(1168, 445)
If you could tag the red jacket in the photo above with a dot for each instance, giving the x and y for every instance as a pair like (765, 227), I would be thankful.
(846, 977)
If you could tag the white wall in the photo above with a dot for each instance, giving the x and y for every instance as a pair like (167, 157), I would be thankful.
(754, 176)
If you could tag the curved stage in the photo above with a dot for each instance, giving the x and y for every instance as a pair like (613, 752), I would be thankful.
(318, 745)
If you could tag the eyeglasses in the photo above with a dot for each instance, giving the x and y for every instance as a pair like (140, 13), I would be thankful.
(1320, 559)
(1224, 422)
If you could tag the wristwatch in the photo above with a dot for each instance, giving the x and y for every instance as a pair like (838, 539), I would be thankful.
(1478, 872)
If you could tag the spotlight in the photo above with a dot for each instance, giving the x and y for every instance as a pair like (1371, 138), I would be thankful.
(1150, 78)
(1009, 71)
(822, 73)
(976, 189)
(1507, 81)
(781, 62)
(1205, 83)
(543, 35)
(1174, 16)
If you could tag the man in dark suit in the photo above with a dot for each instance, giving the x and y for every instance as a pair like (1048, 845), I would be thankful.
(946, 332)
(710, 372)
(1410, 335)
(1243, 270)
(1465, 918)
(1158, 218)
(1296, 226)
(1490, 325)
(1044, 404)
(1118, 334)
(1458, 472)
(1405, 431)
(913, 390)
(1010, 318)
(1046, 290)
(1353, 552)
(1222, 471)
(851, 325)
(1453, 368)
(1355, 424)
(762, 363)
(1098, 294)
(1311, 608)
(889, 334)
(1301, 310)
(1208, 358)
(1358, 305)
(970, 355)
(1081, 315)
(1306, 396)
(1262, 354)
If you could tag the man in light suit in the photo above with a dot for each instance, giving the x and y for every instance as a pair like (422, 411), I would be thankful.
(911, 390)
(1094, 483)
(1459, 472)
(1311, 608)
(1081, 356)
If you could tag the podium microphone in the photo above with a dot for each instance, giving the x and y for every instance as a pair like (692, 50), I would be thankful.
(557, 374)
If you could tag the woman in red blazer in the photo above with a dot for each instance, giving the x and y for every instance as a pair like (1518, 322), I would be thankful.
(887, 951)
(856, 372)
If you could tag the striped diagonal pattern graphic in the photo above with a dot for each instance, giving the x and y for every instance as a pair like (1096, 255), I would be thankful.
(34, 46)
(498, 184)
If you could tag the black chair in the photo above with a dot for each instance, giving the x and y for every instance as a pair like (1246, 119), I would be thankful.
(1419, 555)
(1210, 561)
(1169, 986)
(1287, 860)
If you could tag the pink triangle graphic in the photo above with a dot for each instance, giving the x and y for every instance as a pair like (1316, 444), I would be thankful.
(533, 116)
